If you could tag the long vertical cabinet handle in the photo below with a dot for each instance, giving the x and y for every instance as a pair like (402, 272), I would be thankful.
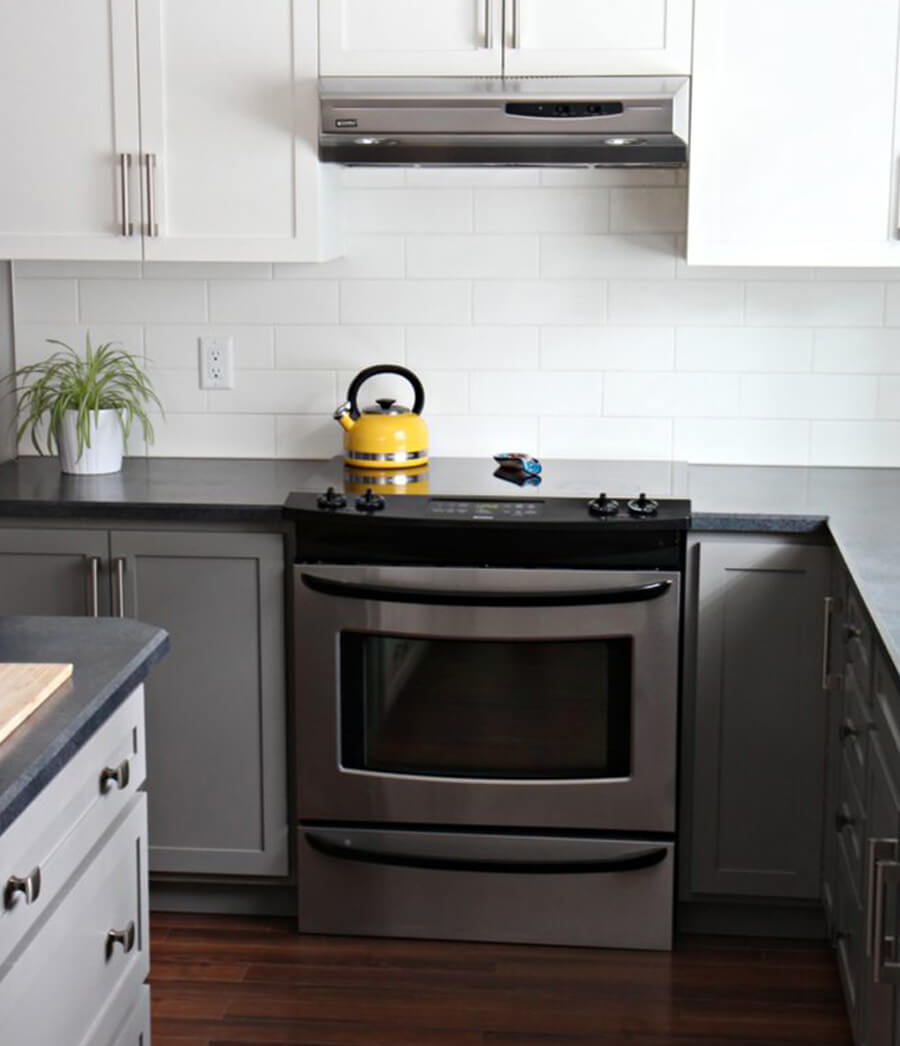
(516, 28)
(119, 586)
(124, 175)
(150, 171)
(876, 850)
(827, 681)
(93, 565)
(887, 873)
(488, 25)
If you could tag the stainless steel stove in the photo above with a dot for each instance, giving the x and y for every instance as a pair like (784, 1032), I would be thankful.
(487, 699)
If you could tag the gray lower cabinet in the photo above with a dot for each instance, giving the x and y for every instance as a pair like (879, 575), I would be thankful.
(216, 705)
(754, 718)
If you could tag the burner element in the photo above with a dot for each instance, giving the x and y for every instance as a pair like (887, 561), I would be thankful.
(370, 502)
(331, 499)
(643, 506)
(603, 506)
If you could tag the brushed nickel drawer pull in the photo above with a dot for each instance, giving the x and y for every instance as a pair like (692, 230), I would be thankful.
(119, 588)
(118, 775)
(124, 168)
(29, 885)
(93, 585)
(125, 937)
(150, 168)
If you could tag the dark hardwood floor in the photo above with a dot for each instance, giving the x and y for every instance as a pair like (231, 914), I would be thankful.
(234, 981)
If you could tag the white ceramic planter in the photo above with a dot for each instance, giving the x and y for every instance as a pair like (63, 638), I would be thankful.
(106, 444)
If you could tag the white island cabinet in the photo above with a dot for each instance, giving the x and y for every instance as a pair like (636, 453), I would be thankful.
(177, 130)
(794, 152)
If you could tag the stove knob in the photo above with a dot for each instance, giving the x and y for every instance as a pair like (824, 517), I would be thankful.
(331, 499)
(370, 502)
(603, 506)
(643, 506)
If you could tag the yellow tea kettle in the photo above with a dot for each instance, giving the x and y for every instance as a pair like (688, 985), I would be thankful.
(385, 435)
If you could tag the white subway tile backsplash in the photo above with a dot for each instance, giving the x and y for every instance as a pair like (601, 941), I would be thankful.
(405, 301)
(770, 350)
(815, 304)
(337, 347)
(671, 395)
(859, 351)
(615, 257)
(607, 348)
(548, 310)
(612, 439)
(215, 436)
(729, 441)
(472, 348)
(541, 210)
(673, 302)
(539, 392)
(875, 443)
(46, 301)
(408, 210)
(142, 301)
(539, 301)
(648, 210)
(381, 257)
(273, 301)
(808, 396)
(471, 256)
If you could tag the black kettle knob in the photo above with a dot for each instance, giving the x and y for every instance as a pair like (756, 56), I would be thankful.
(370, 502)
(385, 403)
(603, 506)
(331, 499)
(643, 506)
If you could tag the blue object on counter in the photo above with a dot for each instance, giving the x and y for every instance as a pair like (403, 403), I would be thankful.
(517, 476)
(517, 460)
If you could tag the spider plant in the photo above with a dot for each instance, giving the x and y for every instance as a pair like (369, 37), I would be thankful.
(105, 378)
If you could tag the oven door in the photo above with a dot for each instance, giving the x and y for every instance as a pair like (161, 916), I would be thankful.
(487, 697)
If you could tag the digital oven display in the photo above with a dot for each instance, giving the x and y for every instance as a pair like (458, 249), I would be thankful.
(456, 508)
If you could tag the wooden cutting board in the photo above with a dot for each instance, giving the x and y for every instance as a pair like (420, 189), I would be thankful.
(23, 688)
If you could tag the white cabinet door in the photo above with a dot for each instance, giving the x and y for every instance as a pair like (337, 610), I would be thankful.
(68, 109)
(597, 37)
(228, 128)
(793, 155)
(410, 38)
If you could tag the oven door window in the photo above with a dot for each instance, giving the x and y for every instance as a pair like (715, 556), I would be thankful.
(486, 708)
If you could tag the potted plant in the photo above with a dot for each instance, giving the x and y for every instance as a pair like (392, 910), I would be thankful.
(84, 405)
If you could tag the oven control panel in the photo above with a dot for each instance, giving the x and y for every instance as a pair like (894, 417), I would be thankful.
(491, 511)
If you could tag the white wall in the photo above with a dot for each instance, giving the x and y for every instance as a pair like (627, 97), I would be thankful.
(546, 311)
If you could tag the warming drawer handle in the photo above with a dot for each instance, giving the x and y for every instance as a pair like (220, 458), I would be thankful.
(437, 597)
(632, 863)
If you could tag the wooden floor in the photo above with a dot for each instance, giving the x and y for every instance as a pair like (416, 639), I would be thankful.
(227, 980)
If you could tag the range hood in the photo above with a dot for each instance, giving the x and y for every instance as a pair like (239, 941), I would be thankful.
(631, 121)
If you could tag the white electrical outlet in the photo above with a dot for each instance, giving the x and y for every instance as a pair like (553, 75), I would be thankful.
(217, 363)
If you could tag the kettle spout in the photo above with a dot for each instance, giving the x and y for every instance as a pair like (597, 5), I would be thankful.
(343, 418)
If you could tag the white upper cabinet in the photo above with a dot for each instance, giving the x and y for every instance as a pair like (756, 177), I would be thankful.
(216, 162)
(794, 155)
(409, 38)
(68, 113)
(511, 37)
(597, 37)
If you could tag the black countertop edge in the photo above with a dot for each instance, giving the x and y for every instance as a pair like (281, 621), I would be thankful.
(758, 523)
(75, 733)
(137, 511)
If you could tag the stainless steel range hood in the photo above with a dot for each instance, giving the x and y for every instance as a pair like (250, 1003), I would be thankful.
(634, 121)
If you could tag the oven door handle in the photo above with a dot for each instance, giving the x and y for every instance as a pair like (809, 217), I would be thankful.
(462, 598)
(632, 861)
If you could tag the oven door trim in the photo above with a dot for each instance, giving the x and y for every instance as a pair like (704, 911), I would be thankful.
(329, 792)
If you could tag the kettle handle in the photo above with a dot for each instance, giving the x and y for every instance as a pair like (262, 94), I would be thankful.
(385, 368)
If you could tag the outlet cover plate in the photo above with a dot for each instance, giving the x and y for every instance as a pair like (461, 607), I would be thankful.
(217, 362)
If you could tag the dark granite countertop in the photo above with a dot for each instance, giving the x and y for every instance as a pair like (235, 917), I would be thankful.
(110, 657)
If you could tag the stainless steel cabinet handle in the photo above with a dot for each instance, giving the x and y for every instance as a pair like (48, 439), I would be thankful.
(516, 40)
(488, 26)
(150, 169)
(847, 729)
(884, 971)
(118, 775)
(125, 937)
(28, 885)
(119, 587)
(93, 585)
(876, 850)
(827, 679)
(124, 169)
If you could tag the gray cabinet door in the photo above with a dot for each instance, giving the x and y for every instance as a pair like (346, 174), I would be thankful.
(758, 719)
(216, 736)
(51, 571)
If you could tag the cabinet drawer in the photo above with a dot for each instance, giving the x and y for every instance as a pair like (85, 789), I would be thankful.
(56, 986)
(850, 824)
(136, 1029)
(854, 733)
(849, 940)
(54, 834)
(858, 631)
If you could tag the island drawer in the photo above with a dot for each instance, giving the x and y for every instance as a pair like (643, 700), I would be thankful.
(74, 977)
(136, 1029)
(886, 695)
(854, 732)
(859, 636)
(850, 821)
(41, 849)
